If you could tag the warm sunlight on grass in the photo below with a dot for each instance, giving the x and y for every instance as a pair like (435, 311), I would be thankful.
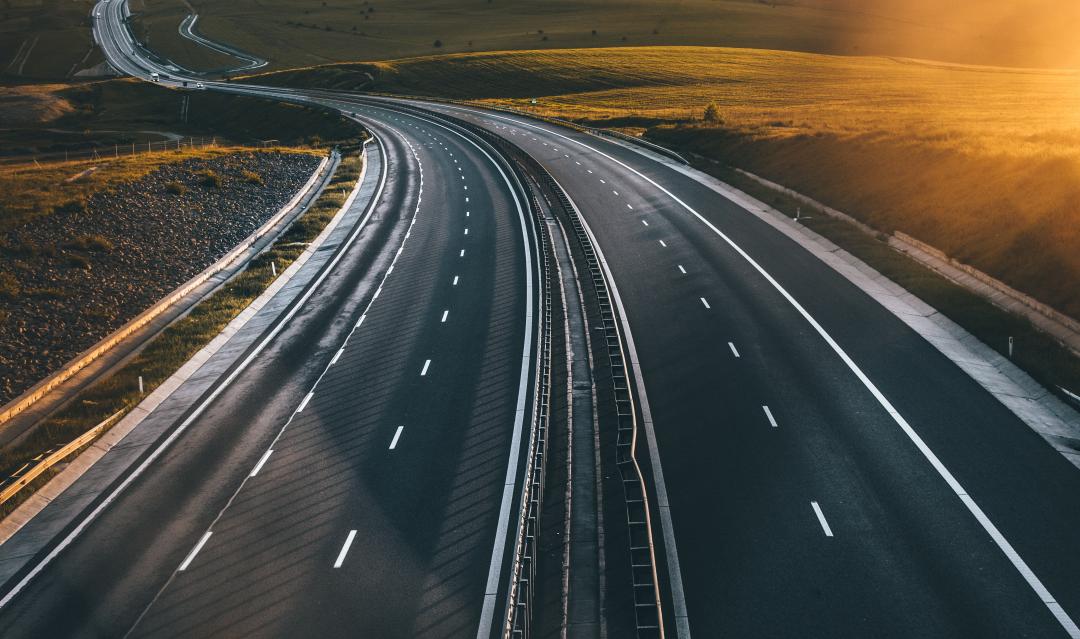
(982, 162)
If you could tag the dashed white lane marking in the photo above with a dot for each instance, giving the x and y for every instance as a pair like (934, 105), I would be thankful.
(629, 206)
(705, 302)
(821, 519)
(262, 460)
(576, 162)
(194, 551)
(423, 371)
(589, 170)
(345, 549)
(663, 243)
(466, 214)
(466, 199)
(466, 230)
(768, 414)
(337, 356)
(602, 181)
(444, 314)
(397, 436)
(682, 270)
(614, 191)
(303, 403)
(466, 188)
(566, 155)
(734, 351)
(645, 222)
(462, 253)
(455, 281)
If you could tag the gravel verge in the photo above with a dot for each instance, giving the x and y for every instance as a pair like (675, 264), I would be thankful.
(71, 278)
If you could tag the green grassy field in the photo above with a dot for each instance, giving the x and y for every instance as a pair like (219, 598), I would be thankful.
(982, 162)
(291, 33)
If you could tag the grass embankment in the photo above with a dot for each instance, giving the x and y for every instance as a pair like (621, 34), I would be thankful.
(291, 33)
(981, 162)
(182, 339)
(52, 118)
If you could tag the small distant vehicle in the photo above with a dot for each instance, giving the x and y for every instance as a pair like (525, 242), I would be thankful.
(98, 14)
(155, 77)
(199, 85)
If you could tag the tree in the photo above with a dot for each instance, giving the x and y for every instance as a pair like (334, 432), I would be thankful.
(712, 113)
(437, 44)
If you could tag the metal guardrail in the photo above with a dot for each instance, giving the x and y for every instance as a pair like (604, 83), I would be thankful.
(319, 178)
(648, 616)
(54, 458)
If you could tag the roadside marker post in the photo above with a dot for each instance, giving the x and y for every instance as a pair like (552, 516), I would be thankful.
(140, 385)
(1010, 346)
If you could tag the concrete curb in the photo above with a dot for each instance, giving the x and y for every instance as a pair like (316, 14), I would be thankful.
(38, 391)
(26, 511)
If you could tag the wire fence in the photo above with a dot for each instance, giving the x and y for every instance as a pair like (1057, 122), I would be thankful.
(127, 149)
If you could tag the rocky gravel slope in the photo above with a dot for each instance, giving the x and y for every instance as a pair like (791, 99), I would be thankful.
(69, 279)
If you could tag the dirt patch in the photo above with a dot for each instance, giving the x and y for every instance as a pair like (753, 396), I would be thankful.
(37, 104)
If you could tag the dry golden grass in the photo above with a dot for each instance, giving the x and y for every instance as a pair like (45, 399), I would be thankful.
(982, 162)
(33, 104)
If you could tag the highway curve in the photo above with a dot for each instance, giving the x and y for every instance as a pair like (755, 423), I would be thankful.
(405, 439)
(817, 468)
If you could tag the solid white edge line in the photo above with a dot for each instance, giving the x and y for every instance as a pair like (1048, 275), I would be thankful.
(1003, 544)
(194, 551)
(769, 415)
(262, 460)
(345, 549)
(220, 388)
(397, 436)
(821, 519)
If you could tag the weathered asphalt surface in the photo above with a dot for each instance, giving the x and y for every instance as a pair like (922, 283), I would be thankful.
(906, 558)
(426, 511)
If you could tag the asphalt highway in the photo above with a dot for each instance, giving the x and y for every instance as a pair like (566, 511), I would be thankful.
(799, 504)
(819, 469)
(377, 508)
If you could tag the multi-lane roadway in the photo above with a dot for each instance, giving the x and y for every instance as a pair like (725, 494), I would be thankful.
(817, 468)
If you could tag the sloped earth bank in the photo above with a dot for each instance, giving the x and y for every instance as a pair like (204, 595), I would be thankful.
(70, 279)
